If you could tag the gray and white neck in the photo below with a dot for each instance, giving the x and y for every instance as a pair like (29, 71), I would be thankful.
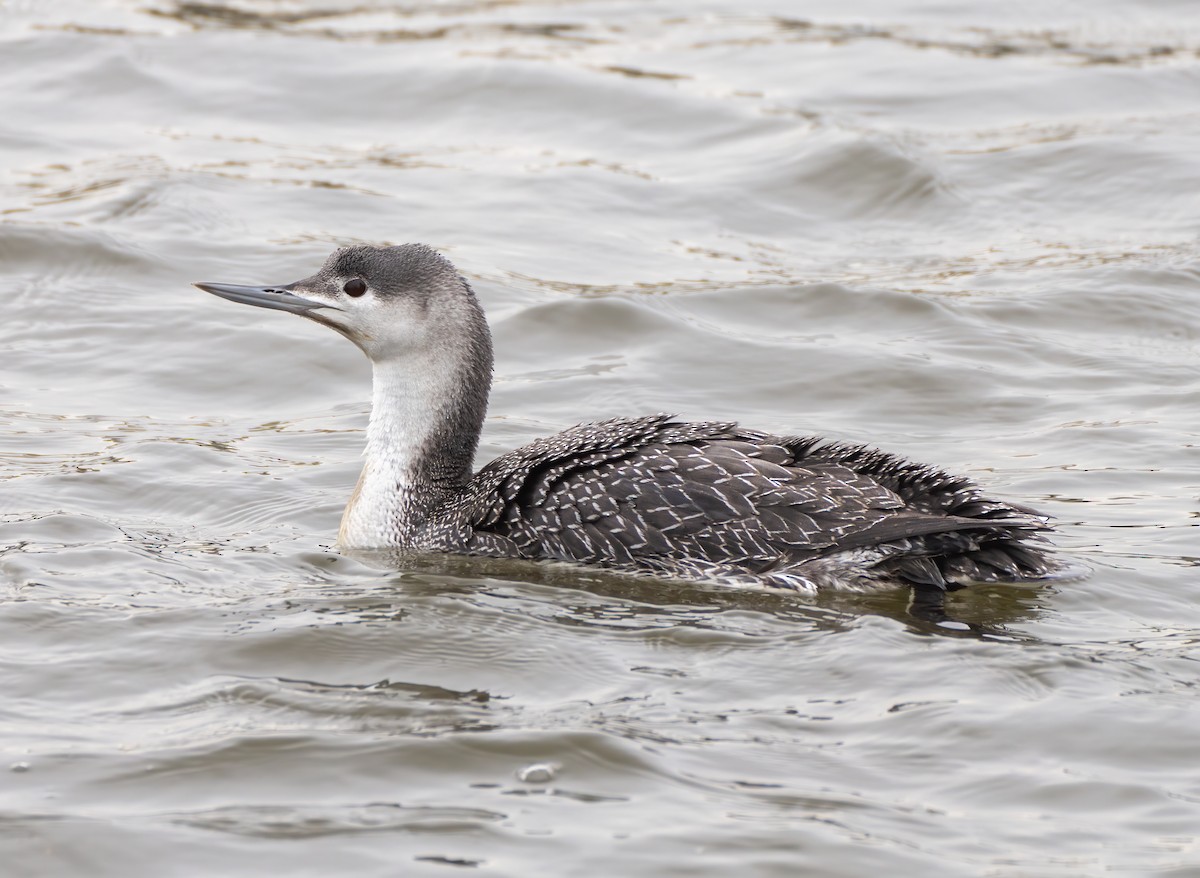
(427, 411)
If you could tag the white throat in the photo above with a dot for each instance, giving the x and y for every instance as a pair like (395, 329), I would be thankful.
(411, 395)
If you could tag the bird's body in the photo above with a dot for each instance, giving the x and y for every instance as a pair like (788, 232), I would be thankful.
(653, 495)
(716, 503)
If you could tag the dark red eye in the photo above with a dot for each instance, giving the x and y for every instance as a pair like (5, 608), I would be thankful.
(355, 287)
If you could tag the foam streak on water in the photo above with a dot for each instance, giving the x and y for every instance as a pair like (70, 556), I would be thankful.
(964, 232)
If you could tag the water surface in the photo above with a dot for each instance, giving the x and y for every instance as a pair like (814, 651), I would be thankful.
(967, 234)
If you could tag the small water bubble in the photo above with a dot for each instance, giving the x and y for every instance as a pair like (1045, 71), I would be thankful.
(538, 772)
(19, 767)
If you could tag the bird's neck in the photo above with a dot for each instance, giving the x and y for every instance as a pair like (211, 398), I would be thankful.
(427, 411)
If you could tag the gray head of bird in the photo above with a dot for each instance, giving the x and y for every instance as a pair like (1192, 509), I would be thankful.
(393, 302)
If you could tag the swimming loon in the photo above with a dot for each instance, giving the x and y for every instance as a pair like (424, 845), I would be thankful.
(708, 501)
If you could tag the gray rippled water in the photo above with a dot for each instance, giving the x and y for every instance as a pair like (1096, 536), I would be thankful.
(963, 232)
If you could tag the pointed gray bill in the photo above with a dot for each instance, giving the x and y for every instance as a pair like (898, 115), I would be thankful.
(277, 298)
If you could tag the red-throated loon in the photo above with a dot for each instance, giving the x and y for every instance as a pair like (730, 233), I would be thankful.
(709, 502)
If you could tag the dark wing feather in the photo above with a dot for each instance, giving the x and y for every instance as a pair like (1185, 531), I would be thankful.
(658, 494)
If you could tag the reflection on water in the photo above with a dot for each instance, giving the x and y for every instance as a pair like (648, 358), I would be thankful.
(610, 600)
(964, 234)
